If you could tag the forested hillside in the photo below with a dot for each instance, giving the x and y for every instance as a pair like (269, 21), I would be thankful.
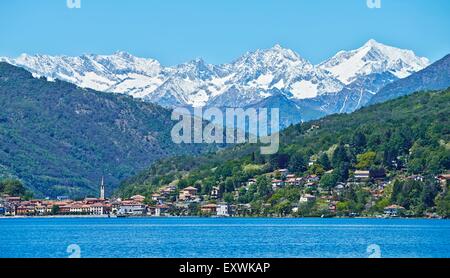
(60, 139)
(406, 141)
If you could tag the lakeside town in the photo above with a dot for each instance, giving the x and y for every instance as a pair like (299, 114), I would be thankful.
(173, 201)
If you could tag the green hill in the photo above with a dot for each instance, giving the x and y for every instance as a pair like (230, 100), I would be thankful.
(408, 135)
(60, 139)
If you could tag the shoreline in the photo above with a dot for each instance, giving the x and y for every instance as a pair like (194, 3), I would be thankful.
(206, 217)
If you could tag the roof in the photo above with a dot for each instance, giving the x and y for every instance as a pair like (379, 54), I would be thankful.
(361, 172)
(190, 188)
(308, 196)
(137, 197)
(394, 207)
(209, 206)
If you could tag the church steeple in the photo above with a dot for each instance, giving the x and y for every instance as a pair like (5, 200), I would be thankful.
(102, 189)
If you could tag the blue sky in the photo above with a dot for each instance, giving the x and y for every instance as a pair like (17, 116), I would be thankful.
(219, 31)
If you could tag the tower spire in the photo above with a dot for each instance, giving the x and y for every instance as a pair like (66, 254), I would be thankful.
(102, 189)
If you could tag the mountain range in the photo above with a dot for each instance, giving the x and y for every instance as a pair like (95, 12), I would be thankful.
(60, 138)
(341, 84)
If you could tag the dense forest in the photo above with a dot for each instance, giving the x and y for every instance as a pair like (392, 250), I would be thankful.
(406, 141)
(59, 139)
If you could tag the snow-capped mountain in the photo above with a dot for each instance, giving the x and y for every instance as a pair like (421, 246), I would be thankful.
(342, 83)
(373, 57)
(247, 80)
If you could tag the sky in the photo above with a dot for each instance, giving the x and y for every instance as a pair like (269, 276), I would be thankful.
(219, 31)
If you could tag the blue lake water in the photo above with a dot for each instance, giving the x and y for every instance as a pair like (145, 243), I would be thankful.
(224, 237)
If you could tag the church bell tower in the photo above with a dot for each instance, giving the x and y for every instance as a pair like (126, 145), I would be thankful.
(102, 189)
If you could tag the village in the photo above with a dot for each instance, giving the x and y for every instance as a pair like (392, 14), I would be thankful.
(171, 201)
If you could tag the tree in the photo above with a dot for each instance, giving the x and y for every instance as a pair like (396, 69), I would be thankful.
(429, 193)
(359, 142)
(283, 208)
(228, 198)
(342, 171)
(366, 160)
(343, 207)
(328, 181)
(55, 209)
(316, 169)
(443, 205)
(279, 160)
(297, 163)
(12, 187)
(340, 156)
(324, 161)
(229, 184)
(263, 186)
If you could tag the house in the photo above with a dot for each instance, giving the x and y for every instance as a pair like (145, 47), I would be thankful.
(155, 197)
(311, 185)
(283, 172)
(167, 191)
(223, 209)
(151, 210)
(332, 207)
(161, 210)
(188, 193)
(243, 209)
(312, 179)
(339, 188)
(10, 209)
(12, 200)
(393, 210)
(215, 192)
(209, 209)
(25, 210)
(98, 209)
(115, 206)
(91, 201)
(306, 198)
(131, 208)
(2, 210)
(362, 175)
(64, 209)
(443, 180)
(293, 181)
(251, 182)
(416, 177)
(76, 208)
(138, 198)
(277, 184)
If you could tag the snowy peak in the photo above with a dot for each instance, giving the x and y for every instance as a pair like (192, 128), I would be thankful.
(273, 58)
(373, 57)
(247, 80)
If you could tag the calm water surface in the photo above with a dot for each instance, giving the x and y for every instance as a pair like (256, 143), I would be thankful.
(223, 237)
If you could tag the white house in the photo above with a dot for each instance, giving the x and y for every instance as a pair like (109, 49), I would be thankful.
(362, 175)
(307, 198)
(223, 209)
(131, 209)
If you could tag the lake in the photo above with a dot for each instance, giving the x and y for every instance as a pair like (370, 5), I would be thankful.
(223, 237)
